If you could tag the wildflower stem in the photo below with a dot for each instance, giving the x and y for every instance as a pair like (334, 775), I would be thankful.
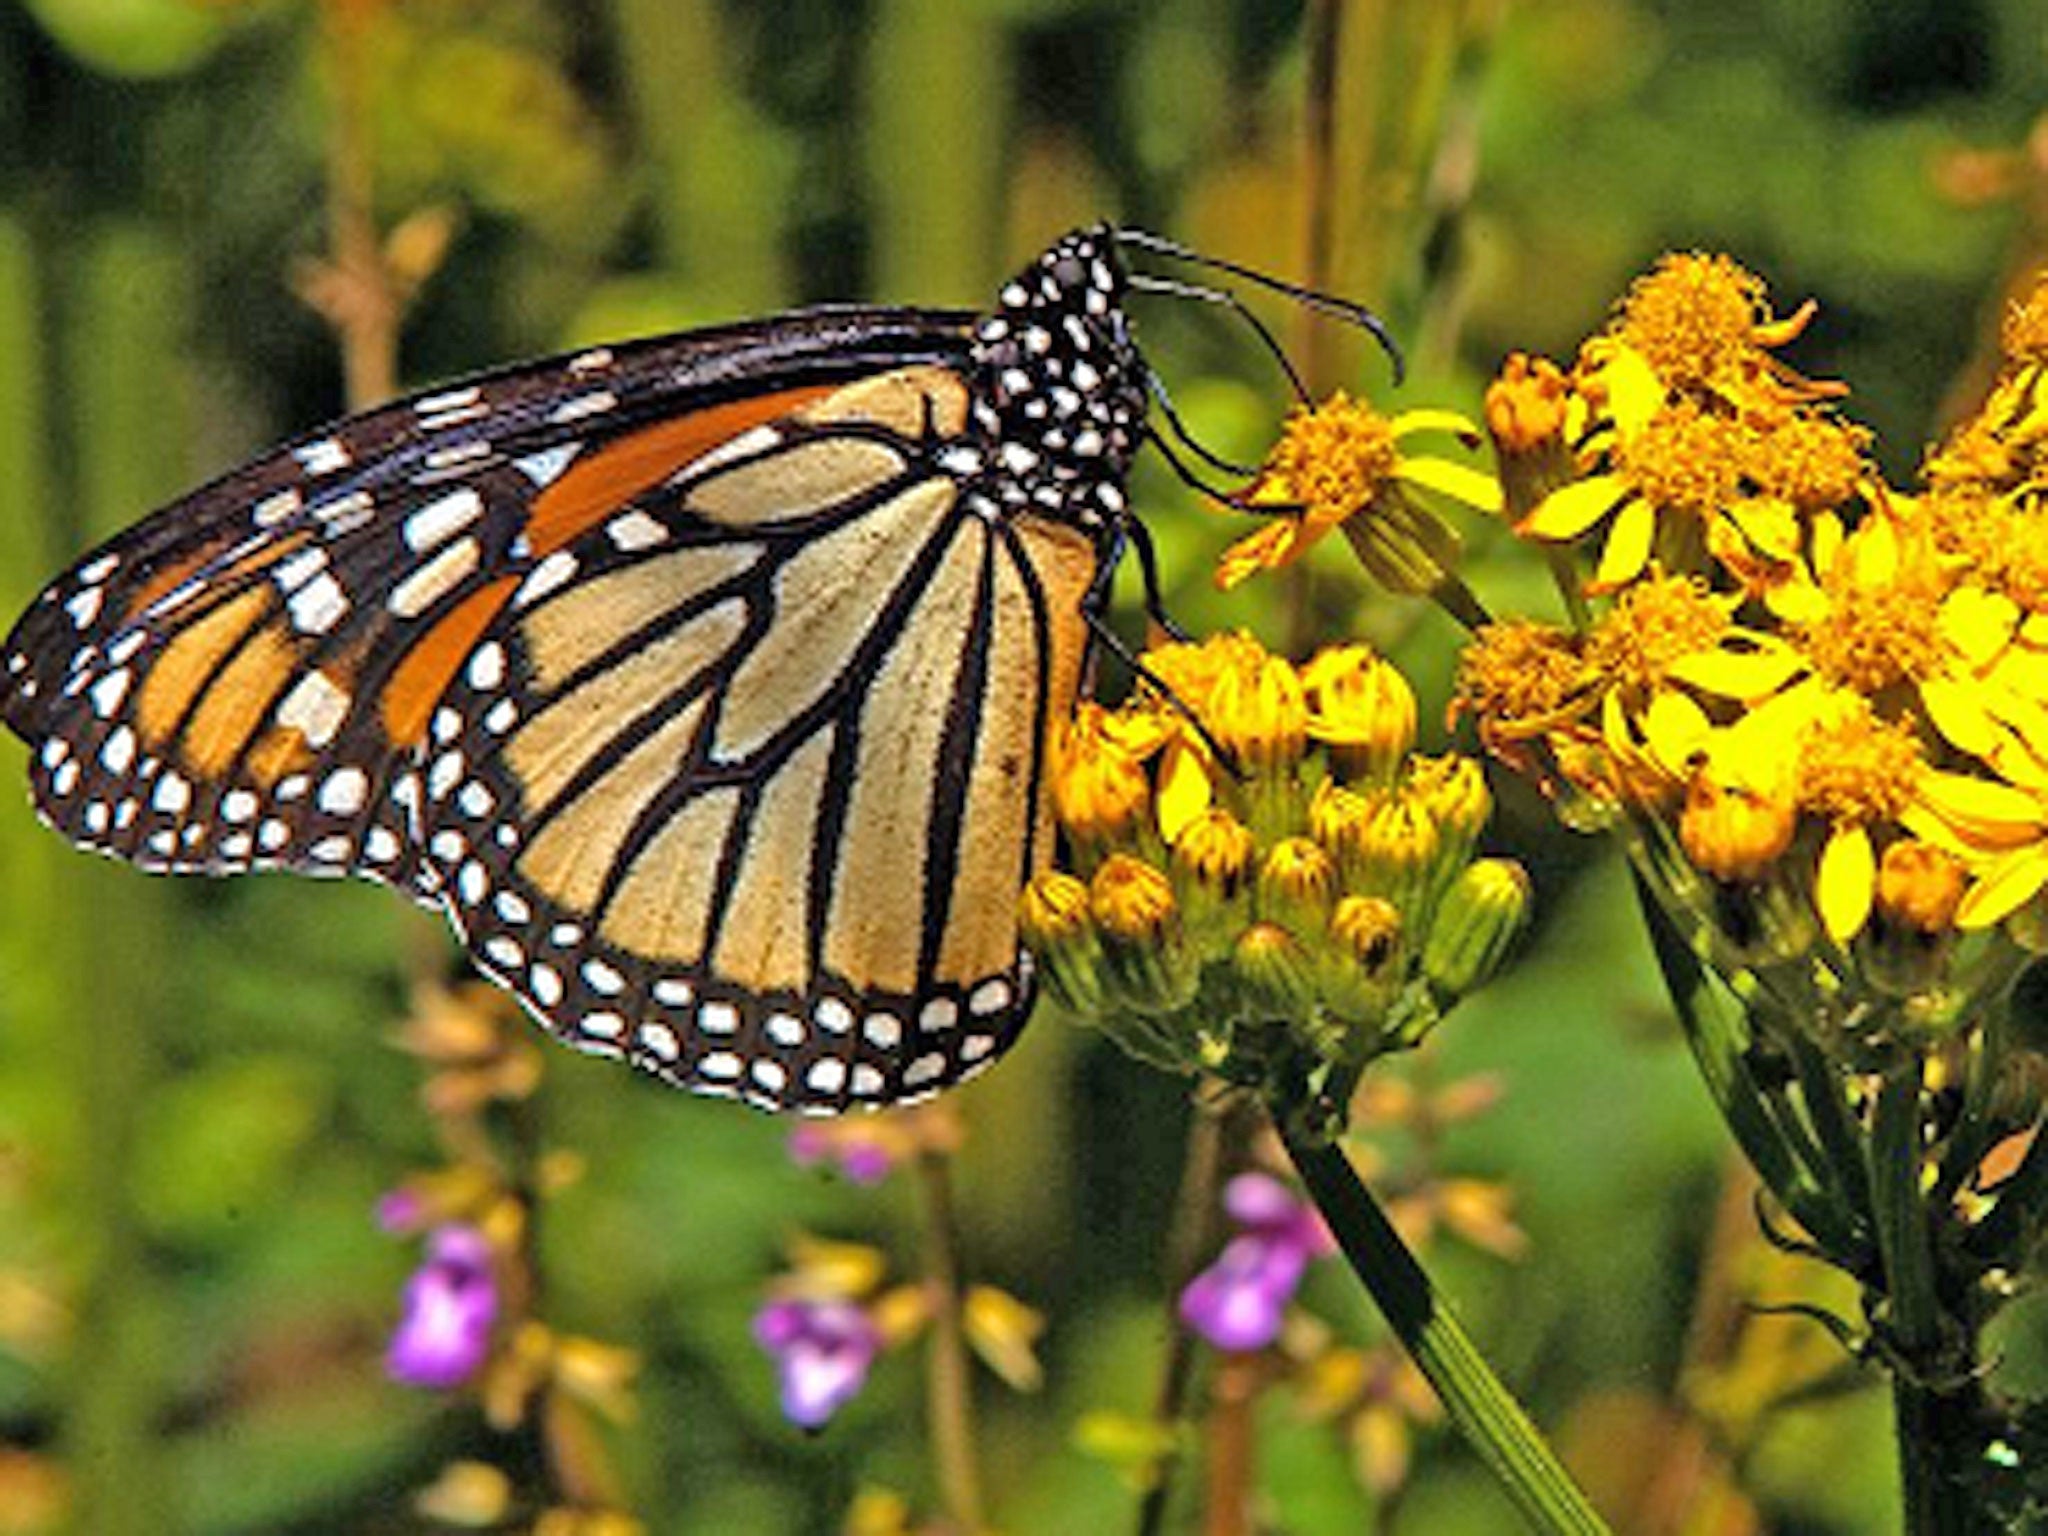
(1477, 1402)
(949, 1397)
(1929, 1418)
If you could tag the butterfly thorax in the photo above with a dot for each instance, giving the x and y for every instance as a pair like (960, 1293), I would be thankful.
(1059, 388)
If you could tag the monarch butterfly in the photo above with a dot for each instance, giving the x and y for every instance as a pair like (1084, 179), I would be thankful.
(703, 681)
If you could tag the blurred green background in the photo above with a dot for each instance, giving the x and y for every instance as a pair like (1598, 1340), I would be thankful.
(198, 1099)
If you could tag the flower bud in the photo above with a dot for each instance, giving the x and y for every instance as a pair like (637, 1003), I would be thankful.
(1525, 410)
(1274, 971)
(1055, 923)
(1297, 884)
(1099, 792)
(1259, 715)
(1481, 916)
(1212, 870)
(1143, 948)
(1395, 854)
(1362, 959)
(1453, 790)
(1734, 832)
(1907, 948)
(1919, 886)
(1362, 711)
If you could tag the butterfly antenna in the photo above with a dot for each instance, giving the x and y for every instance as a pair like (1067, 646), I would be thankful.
(1144, 282)
(1229, 500)
(1187, 439)
(1313, 298)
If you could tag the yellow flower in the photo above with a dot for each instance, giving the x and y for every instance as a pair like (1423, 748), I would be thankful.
(1099, 789)
(1702, 322)
(1735, 831)
(1361, 709)
(1341, 462)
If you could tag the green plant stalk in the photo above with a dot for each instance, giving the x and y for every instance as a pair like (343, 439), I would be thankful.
(1927, 1415)
(1483, 1409)
(949, 1393)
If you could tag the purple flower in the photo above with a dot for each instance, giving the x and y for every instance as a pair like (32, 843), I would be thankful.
(860, 1158)
(450, 1303)
(400, 1211)
(822, 1351)
(1238, 1301)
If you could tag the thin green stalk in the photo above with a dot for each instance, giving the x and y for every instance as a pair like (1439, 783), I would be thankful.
(1478, 1404)
(949, 1396)
(1928, 1417)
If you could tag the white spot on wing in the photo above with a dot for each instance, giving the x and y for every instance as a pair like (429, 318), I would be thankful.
(436, 579)
(344, 791)
(554, 571)
(323, 457)
(442, 519)
(635, 530)
(545, 468)
(315, 708)
(318, 606)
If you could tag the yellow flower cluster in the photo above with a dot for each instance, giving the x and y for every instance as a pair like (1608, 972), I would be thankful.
(1827, 697)
(1261, 875)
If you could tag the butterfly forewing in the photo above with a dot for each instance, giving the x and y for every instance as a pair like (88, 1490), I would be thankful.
(705, 682)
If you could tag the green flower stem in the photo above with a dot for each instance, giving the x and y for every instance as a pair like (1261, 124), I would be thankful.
(1927, 1417)
(1478, 1404)
(948, 1391)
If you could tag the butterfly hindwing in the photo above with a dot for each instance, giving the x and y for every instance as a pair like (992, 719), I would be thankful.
(750, 801)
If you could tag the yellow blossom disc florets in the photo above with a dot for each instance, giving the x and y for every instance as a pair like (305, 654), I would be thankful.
(1875, 636)
(1685, 460)
(1858, 767)
(1814, 462)
(1695, 317)
(1521, 674)
(1331, 460)
(1651, 626)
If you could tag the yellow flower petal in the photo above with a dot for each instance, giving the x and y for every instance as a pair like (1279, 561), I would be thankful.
(1634, 392)
(1571, 509)
(1978, 624)
(1434, 419)
(1750, 670)
(1185, 790)
(1846, 883)
(1675, 729)
(2007, 884)
(1770, 524)
(1627, 549)
(1957, 710)
(1462, 483)
(1272, 546)
(1983, 814)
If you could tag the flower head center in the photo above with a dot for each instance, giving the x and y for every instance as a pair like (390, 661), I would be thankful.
(1332, 459)
(1694, 317)
(1858, 767)
(1651, 626)
(1876, 635)
(1685, 459)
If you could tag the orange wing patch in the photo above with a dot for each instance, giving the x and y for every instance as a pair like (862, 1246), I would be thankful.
(190, 660)
(593, 488)
(418, 682)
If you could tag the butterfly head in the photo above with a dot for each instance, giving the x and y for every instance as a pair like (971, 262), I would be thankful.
(1060, 388)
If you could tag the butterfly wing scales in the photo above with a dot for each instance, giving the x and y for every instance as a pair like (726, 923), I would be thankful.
(711, 841)
(723, 831)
